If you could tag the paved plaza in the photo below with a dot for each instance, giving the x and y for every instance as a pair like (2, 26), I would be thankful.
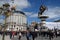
(24, 38)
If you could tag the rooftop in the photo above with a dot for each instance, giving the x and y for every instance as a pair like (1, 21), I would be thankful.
(19, 12)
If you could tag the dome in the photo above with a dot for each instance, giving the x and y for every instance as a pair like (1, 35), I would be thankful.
(17, 20)
(19, 12)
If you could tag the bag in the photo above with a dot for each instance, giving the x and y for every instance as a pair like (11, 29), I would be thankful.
(19, 34)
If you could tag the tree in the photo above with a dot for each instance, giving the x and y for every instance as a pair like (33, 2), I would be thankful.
(4, 10)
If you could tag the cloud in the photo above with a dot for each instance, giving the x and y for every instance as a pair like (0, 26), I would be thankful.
(31, 14)
(28, 13)
(34, 15)
(5, 0)
(20, 4)
(53, 12)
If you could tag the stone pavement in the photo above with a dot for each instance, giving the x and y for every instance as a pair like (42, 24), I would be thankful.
(24, 38)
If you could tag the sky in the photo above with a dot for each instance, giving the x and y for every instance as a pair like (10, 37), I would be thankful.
(31, 9)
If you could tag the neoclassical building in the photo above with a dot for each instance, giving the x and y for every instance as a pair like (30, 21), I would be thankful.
(16, 21)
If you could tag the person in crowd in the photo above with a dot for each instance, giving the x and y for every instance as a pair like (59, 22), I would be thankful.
(56, 33)
(13, 33)
(19, 35)
(50, 34)
(28, 35)
(10, 35)
(36, 29)
(33, 33)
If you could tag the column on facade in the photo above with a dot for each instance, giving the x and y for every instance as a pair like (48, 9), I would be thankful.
(24, 19)
(20, 20)
(17, 19)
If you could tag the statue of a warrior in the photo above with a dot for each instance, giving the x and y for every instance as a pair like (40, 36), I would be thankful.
(42, 9)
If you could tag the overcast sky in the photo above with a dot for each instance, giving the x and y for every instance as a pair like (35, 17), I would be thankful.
(31, 9)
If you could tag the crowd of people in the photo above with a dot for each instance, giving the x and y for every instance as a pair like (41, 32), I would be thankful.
(19, 34)
(50, 34)
(31, 33)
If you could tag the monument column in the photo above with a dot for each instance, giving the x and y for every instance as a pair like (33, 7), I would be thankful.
(41, 16)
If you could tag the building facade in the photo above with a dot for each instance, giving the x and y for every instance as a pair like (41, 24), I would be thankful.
(49, 25)
(16, 21)
(52, 25)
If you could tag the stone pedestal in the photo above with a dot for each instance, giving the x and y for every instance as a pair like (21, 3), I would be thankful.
(43, 21)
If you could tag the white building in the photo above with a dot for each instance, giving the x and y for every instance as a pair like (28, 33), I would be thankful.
(52, 25)
(16, 21)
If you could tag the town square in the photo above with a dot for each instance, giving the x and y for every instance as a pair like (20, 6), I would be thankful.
(29, 19)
